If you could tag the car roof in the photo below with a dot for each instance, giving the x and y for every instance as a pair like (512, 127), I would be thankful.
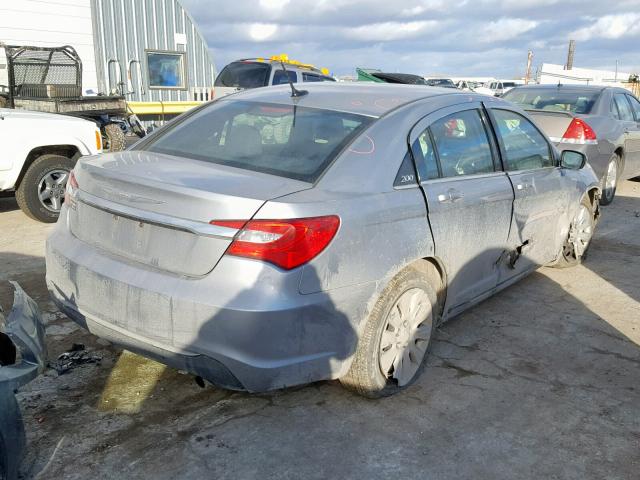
(363, 98)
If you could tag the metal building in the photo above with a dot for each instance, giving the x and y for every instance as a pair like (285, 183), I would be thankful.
(151, 51)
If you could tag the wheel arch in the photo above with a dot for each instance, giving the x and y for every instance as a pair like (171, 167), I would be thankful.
(434, 268)
(69, 151)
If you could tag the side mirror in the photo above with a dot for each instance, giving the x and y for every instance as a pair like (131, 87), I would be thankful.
(572, 160)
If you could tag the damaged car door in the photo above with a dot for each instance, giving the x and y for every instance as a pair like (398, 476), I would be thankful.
(540, 188)
(469, 198)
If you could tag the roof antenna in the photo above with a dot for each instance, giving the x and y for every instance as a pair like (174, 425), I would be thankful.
(294, 91)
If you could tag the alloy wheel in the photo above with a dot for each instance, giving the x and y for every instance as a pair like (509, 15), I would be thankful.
(611, 180)
(51, 189)
(580, 234)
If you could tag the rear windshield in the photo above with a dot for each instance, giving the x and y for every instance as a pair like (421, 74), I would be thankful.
(288, 141)
(244, 75)
(553, 100)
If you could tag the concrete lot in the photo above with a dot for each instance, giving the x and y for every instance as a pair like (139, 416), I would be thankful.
(540, 381)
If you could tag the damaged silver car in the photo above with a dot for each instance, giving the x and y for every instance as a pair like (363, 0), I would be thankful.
(22, 358)
(278, 237)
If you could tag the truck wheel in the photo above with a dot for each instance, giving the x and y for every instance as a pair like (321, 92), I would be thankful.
(113, 138)
(41, 191)
(396, 338)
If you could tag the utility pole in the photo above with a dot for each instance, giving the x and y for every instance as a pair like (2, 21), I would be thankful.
(572, 51)
(527, 75)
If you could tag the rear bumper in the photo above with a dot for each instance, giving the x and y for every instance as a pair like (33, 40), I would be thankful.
(256, 333)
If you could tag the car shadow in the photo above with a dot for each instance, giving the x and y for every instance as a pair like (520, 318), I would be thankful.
(8, 202)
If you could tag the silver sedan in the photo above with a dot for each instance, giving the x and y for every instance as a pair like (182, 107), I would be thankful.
(278, 237)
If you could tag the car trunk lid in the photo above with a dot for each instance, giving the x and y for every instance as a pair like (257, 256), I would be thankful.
(155, 209)
(554, 124)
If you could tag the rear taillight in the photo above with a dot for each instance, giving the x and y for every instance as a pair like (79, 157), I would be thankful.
(579, 132)
(285, 243)
(71, 190)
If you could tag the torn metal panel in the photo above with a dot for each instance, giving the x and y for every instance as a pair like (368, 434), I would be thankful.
(22, 332)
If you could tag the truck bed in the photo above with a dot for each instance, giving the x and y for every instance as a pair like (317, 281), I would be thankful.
(88, 106)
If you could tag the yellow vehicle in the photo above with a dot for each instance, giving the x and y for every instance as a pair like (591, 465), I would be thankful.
(261, 71)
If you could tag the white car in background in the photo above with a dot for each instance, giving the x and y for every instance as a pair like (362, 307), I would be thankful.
(37, 152)
(498, 88)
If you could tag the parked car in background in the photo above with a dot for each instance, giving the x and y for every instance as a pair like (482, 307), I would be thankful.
(22, 358)
(440, 82)
(602, 122)
(467, 85)
(497, 88)
(261, 72)
(37, 152)
(283, 239)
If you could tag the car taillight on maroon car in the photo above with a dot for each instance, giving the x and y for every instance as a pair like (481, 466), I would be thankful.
(284, 243)
(579, 132)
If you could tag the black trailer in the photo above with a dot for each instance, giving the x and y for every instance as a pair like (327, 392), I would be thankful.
(50, 80)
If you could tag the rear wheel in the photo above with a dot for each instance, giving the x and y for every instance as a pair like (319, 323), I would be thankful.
(394, 344)
(610, 180)
(41, 191)
(575, 247)
(113, 138)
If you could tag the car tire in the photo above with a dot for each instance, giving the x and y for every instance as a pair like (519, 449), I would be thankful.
(29, 191)
(570, 256)
(609, 180)
(414, 286)
(114, 138)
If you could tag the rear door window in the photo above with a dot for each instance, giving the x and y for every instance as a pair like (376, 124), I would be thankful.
(462, 144)
(635, 105)
(244, 75)
(524, 146)
(425, 156)
(310, 77)
(624, 109)
(284, 140)
(280, 77)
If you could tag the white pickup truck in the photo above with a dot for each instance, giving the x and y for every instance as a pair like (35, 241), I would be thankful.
(37, 152)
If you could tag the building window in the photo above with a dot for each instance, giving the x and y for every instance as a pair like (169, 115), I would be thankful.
(166, 69)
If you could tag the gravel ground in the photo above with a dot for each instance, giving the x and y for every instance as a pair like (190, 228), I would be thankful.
(540, 381)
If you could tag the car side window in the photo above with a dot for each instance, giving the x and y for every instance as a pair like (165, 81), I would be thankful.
(279, 77)
(425, 156)
(635, 105)
(406, 174)
(623, 107)
(614, 110)
(525, 147)
(462, 144)
(309, 77)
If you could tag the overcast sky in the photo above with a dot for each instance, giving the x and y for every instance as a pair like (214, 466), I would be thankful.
(429, 37)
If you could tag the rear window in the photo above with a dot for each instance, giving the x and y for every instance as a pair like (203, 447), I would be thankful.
(244, 75)
(553, 100)
(288, 141)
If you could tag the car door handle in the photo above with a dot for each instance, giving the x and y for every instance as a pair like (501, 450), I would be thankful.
(452, 195)
(524, 186)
